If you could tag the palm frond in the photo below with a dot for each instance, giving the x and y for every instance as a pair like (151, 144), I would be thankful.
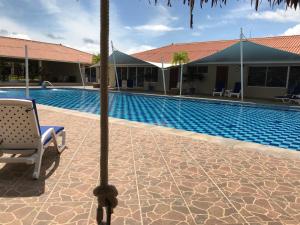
(180, 58)
(191, 3)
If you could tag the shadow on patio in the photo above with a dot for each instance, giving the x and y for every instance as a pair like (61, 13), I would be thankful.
(16, 179)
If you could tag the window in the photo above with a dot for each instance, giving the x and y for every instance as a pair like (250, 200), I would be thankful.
(124, 73)
(140, 76)
(197, 69)
(192, 70)
(196, 72)
(154, 74)
(132, 73)
(276, 76)
(294, 79)
(267, 76)
(202, 69)
(257, 76)
(119, 73)
(148, 74)
(151, 74)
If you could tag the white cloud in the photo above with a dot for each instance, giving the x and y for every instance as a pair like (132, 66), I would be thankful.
(21, 36)
(139, 49)
(159, 25)
(68, 27)
(123, 39)
(196, 34)
(12, 29)
(279, 15)
(213, 25)
(155, 28)
(293, 30)
(51, 6)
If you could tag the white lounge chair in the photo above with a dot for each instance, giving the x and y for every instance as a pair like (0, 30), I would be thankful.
(21, 134)
(219, 89)
(295, 99)
(236, 91)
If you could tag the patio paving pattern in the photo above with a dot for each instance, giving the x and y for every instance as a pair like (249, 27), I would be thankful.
(163, 178)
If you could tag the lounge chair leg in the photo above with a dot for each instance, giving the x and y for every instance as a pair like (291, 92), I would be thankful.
(37, 165)
(61, 148)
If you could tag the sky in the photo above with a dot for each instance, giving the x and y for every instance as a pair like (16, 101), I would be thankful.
(136, 25)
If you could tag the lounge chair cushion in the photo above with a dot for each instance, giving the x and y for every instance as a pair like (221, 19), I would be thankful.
(237, 87)
(57, 129)
(219, 87)
(284, 96)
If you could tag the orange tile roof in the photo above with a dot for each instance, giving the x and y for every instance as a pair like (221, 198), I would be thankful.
(199, 50)
(14, 48)
(285, 43)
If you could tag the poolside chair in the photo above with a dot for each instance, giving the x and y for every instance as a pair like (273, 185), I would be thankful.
(290, 95)
(236, 90)
(294, 99)
(21, 134)
(219, 89)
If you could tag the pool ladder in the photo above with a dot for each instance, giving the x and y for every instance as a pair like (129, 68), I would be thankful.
(44, 84)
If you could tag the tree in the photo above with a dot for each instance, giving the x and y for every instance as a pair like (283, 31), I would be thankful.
(180, 58)
(96, 58)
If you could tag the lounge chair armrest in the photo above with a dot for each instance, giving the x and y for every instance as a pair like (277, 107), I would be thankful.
(47, 134)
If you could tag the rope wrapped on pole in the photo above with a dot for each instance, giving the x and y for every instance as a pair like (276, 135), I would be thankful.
(106, 194)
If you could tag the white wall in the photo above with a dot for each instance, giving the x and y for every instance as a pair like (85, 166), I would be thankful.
(159, 86)
(207, 85)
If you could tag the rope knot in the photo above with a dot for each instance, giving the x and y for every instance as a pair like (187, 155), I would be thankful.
(107, 196)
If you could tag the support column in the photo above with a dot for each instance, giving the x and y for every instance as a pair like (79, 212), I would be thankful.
(181, 72)
(136, 74)
(81, 75)
(163, 75)
(12, 69)
(26, 72)
(40, 65)
(115, 66)
(288, 77)
(242, 64)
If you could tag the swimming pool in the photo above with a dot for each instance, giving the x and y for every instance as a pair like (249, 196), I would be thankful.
(254, 123)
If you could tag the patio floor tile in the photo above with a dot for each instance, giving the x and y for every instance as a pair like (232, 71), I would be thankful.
(214, 211)
(166, 211)
(163, 176)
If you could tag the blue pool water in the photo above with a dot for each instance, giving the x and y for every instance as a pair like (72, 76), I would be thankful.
(255, 123)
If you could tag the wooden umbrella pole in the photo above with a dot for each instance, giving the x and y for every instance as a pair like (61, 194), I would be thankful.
(106, 194)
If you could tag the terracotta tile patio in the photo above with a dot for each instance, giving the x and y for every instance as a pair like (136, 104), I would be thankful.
(163, 176)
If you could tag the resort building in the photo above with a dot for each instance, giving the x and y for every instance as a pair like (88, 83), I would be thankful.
(47, 62)
(271, 66)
